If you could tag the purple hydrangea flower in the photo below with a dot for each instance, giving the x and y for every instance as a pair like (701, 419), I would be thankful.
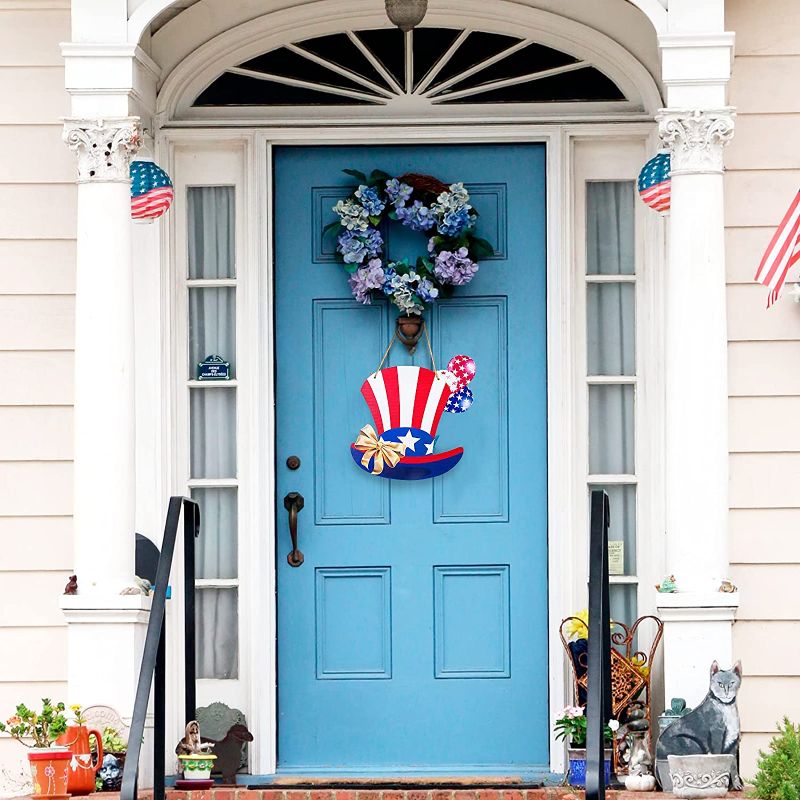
(365, 279)
(418, 217)
(370, 199)
(456, 268)
(352, 247)
(398, 193)
(373, 241)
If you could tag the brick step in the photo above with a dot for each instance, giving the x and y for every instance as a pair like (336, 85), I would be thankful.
(419, 793)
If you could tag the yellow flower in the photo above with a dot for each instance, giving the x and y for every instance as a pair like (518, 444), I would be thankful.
(577, 627)
(75, 708)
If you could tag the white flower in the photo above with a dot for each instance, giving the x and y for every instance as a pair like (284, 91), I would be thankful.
(614, 725)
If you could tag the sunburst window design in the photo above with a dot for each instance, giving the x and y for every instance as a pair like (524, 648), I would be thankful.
(424, 69)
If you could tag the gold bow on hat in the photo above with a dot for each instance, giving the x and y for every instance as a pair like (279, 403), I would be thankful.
(374, 447)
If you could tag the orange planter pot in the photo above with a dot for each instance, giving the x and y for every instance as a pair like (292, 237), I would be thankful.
(50, 770)
(82, 770)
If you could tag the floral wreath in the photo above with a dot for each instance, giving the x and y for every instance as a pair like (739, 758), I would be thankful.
(421, 203)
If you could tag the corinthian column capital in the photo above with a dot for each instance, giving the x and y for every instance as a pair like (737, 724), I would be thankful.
(695, 138)
(104, 147)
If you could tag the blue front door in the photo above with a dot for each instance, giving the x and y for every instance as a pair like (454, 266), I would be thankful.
(413, 639)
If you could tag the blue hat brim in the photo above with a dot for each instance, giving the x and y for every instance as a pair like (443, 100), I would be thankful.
(414, 468)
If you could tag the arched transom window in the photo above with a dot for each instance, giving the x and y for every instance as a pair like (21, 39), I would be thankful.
(431, 70)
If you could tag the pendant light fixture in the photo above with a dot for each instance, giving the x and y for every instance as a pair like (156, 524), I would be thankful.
(406, 14)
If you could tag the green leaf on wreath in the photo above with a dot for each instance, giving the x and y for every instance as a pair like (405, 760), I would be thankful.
(354, 173)
(351, 268)
(374, 220)
(378, 176)
(331, 226)
(480, 248)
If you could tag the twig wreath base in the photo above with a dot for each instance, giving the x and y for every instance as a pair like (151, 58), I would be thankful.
(422, 203)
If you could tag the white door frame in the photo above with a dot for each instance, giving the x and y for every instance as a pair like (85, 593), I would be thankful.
(256, 398)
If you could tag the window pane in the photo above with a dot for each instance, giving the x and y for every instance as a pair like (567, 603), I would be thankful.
(212, 232)
(622, 599)
(217, 633)
(610, 239)
(622, 502)
(216, 552)
(213, 433)
(610, 328)
(611, 430)
(212, 326)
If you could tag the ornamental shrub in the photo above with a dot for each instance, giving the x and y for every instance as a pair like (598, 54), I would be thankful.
(778, 776)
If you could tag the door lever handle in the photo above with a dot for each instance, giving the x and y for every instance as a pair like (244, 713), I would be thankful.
(293, 503)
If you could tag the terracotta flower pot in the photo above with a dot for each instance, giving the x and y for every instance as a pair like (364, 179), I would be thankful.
(82, 770)
(50, 771)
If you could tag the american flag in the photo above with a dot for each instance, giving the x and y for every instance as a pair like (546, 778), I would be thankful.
(151, 190)
(655, 183)
(782, 253)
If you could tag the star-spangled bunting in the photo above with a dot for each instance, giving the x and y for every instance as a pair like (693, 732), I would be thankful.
(151, 190)
(655, 183)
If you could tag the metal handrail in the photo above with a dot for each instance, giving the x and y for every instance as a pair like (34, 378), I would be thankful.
(153, 668)
(598, 693)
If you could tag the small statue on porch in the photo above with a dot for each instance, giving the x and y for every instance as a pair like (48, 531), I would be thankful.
(668, 585)
(229, 751)
(191, 744)
(72, 585)
(712, 728)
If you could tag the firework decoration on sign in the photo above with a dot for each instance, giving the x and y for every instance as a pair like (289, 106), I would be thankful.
(442, 213)
(463, 370)
(655, 183)
(407, 404)
(151, 191)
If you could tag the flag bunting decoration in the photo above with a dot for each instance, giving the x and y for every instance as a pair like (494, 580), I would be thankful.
(151, 190)
(655, 183)
(782, 253)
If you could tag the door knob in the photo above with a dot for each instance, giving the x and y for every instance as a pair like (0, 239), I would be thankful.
(293, 503)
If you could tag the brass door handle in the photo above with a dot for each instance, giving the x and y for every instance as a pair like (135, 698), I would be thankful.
(294, 502)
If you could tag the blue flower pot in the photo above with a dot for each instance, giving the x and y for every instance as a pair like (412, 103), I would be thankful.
(577, 766)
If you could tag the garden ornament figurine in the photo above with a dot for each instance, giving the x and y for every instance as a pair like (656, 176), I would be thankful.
(711, 729)
(191, 744)
(72, 585)
(229, 751)
(668, 585)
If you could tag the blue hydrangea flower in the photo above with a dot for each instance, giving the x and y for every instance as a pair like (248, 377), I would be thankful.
(426, 291)
(373, 241)
(390, 275)
(417, 217)
(455, 222)
(398, 193)
(371, 200)
(352, 247)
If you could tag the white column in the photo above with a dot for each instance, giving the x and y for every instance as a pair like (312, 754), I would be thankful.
(697, 619)
(105, 477)
(100, 619)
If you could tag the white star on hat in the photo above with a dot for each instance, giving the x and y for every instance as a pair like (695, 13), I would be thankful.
(408, 442)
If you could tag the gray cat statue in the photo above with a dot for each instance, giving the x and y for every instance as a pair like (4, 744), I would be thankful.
(713, 727)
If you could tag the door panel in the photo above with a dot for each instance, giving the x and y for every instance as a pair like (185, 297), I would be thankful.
(414, 637)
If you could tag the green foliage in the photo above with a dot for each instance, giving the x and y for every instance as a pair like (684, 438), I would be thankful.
(112, 741)
(44, 726)
(778, 776)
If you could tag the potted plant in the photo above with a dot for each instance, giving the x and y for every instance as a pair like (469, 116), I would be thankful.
(49, 762)
(83, 770)
(570, 726)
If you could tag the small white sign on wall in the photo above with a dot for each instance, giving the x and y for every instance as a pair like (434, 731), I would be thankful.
(616, 557)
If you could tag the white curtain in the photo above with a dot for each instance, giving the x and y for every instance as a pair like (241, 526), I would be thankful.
(212, 331)
(611, 352)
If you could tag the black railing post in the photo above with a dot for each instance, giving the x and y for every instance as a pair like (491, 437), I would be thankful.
(191, 529)
(153, 668)
(160, 715)
(598, 694)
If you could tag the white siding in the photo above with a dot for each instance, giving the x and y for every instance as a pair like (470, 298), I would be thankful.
(37, 279)
(764, 352)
